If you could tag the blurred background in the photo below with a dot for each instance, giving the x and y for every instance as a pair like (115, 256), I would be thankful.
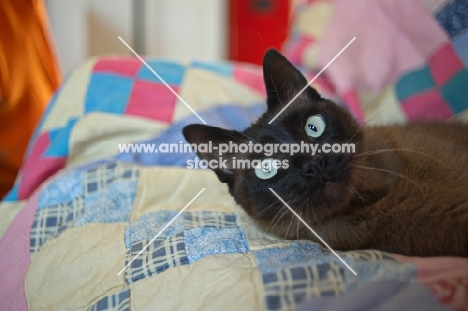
(42, 41)
(209, 29)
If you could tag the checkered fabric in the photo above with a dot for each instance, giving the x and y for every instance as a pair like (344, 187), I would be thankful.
(209, 219)
(286, 288)
(51, 221)
(98, 178)
(438, 90)
(115, 302)
(159, 256)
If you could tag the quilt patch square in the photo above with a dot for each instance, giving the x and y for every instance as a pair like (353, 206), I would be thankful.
(171, 72)
(108, 93)
(49, 222)
(113, 204)
(455, 92)
(152, 100)
(60, 140)
(115, 302)
(285, 289)
(427, 105)
(201, 242)
(159, 256)
(444, 64)
(127, 66)
(414, 82)
(98, 178)
(62, 190)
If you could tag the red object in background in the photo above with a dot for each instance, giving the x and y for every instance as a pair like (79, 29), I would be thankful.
(255, 26)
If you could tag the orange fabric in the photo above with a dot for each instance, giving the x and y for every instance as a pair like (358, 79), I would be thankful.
(28, 77)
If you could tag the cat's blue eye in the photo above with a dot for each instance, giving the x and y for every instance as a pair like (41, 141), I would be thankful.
(267, 168)
(315, 126)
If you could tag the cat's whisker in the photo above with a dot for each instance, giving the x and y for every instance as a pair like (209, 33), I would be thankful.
(396, 174)
(357, 193)
(378, 151)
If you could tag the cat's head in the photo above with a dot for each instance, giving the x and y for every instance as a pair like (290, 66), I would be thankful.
(315, 186)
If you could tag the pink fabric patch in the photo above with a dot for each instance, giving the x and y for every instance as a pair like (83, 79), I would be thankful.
(392, 37)
(295, 53)
(353, 103)
(251, 76)
(427, 105)
(35, 176)
(152, 100)
(41, 144)
(446, 277)
(444, 64)
(15, 259)
(127, 66)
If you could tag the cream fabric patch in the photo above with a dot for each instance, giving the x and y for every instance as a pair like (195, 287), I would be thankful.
(218, 282)
(98, 135)
(312, 22)
(72, 93)
(382, 108)
(161, 188)
(77, 269)
(203, 90)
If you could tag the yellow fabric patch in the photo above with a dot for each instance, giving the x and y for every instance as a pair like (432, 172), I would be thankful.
(77, 269)
(172, 188)
(98, 135)
(217, 282)
(203, 90)
(312, 22)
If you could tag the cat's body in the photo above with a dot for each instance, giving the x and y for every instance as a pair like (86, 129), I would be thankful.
(404, 190)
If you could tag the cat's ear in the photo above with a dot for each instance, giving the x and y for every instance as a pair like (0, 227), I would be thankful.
(203, 136)
(282, 80)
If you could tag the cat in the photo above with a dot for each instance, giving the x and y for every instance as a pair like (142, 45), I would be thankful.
(404, 189)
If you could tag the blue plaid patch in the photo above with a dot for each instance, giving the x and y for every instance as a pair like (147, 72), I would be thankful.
(51, 221)
(287, 288)
(160, 255)
(116, 302)
(99, 178)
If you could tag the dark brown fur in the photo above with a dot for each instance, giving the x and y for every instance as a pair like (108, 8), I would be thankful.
(405, 190)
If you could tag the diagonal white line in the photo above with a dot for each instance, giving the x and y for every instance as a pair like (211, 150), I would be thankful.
(164, 82)
(312, 81)
(312, 230)
(162, 230)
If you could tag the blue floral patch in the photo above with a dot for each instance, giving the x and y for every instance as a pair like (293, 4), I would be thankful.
(297, 253)
(62, 190)
(149, 225)
(201, 242)
(112, 204)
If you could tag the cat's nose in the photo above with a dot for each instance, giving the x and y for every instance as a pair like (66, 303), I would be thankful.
(314, 167)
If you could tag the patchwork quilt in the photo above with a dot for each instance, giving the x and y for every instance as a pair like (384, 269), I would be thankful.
(83, 207)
